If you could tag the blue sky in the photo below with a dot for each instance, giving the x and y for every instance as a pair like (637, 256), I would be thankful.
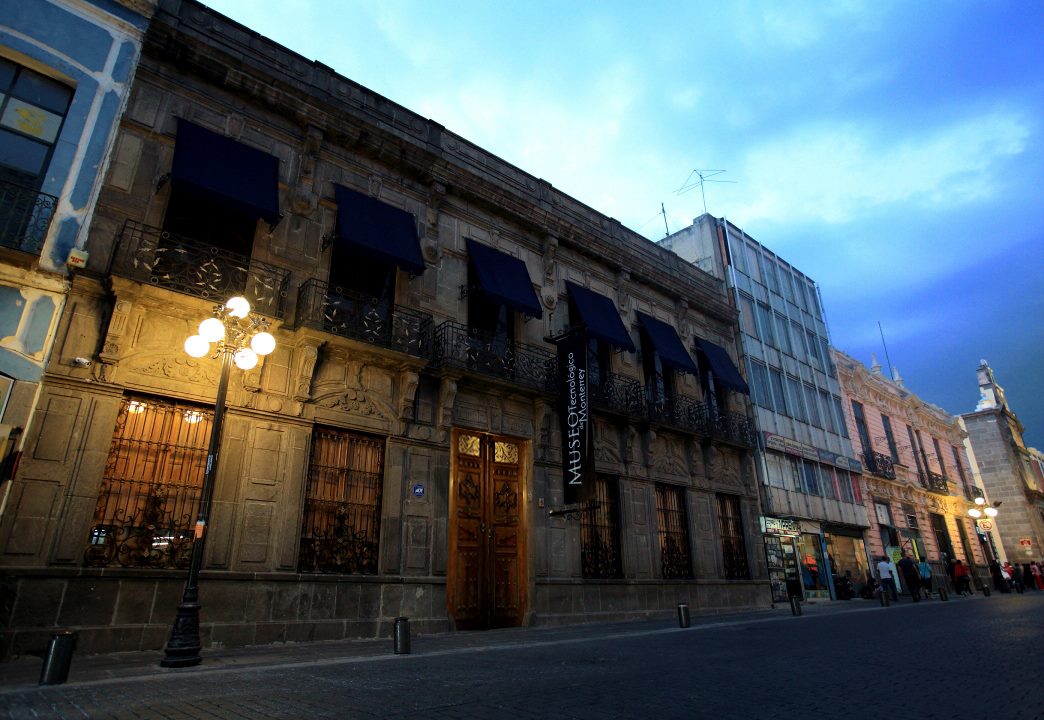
(891, 151)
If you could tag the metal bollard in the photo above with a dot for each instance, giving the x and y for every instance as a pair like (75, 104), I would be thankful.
(683, 615)
(401, 636)
(795, 605)
(56, 663)
(986, 590)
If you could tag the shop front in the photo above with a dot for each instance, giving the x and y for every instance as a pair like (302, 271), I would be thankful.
(781, 557)
(849, 564)
(813, 565)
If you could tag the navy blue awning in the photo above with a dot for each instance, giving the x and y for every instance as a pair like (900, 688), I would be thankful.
(504, 278)
(722, 366)
(667, 343)
(212, 164)
(599, 315)
(378, 229)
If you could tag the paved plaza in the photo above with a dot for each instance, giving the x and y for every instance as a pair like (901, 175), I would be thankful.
(973, 657)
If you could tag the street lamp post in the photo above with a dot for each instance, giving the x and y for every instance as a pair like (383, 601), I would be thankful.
(240, 338)
(991, 512)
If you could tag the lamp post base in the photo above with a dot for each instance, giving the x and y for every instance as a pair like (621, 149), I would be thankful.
(183, 647)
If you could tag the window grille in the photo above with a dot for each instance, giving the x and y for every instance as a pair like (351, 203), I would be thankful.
(342, 513)
(733, 547)
(673, 525)
(600, 533)
(150, 489)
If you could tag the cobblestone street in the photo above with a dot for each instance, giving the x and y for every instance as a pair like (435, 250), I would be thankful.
(967, 658)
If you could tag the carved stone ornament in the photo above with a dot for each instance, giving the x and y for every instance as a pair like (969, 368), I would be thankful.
(305, 357)
(408, 380)
(607, 444)
(181, 369)
(667, 456)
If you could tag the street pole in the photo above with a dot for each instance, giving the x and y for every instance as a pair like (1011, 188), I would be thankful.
(184, 645)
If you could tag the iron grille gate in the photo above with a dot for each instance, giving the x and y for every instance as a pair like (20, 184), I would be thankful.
(673, 524)
(150, 491)
(600, 533)
(342, 513)
(733, 547)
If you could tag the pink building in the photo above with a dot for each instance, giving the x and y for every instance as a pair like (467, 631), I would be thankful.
(918, 484)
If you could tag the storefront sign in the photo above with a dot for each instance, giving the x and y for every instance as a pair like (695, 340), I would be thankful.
(577, 458)
(1025, 542)
(791, 447)
(779, 526)
(986, 525)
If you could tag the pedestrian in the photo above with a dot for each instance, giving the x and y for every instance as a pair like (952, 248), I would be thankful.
(1027, 576)
(884, 572)
(1017, 578)
(1035, 570)
(961, 578)
(910, 576)
(924, 572)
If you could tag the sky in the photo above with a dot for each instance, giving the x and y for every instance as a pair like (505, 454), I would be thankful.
(891, 151)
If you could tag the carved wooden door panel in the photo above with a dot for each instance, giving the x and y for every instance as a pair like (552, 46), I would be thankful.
(486, 576)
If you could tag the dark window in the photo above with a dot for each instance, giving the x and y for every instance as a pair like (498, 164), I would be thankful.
(733, 546)
(960, 471)
(598, 353)
(828, 411)
(860, 422)
(746, 317)
(488, 319)
(782, 334)
(600, 532)
(778, 394)
(150, 488)
(939, 458)
(813, 347)
(843, 426)
(209, 219)
(768, 333)
(813, 406)
(659, 377)
(672, 522)
(797, 402)
(797, 334)
(771, 276)
(760, 384)
(32, 110)
(342, 513)
(810, 478)
(893, 449)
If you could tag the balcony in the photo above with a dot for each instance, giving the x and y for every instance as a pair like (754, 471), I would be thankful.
(688, 414)
(618, 394)
(878, 464)
(25, 217)
(184, 265)
(733, 427)
(353, 315)
(934, 482)
(527, 365)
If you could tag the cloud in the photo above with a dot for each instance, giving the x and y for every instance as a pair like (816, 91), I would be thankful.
(837, 174)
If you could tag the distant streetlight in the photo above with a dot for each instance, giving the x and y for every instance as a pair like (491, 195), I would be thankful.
(240, 338)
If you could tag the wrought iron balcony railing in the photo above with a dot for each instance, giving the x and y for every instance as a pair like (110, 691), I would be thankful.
(25, 217)
(353, 315)
(688, 414)
(879, 464)
(523, 364)
(152, 255)
(733, 427)
(934, 482)
(619, 394)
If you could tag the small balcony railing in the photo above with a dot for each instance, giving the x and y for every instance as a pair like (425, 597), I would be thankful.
(191, 267)
(520, 363)
(732, 427)
(878, 464)
(356, 316)
(25, 217)
(934, 482)
(619, 394)
(688, 414)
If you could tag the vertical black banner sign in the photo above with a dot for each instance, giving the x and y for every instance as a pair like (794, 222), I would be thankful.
(573, 408)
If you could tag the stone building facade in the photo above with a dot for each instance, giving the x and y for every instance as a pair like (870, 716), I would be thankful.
(65, 73)
(918, 484)
(1011, 472)
(400, 452)
(813, 514)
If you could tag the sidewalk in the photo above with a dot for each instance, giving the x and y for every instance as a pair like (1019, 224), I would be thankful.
(18, 674)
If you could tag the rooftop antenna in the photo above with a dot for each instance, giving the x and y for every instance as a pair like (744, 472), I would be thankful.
(663, 211)
(702, 177)
(888, 360)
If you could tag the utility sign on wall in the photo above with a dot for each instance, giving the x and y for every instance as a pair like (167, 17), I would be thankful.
(574, 410)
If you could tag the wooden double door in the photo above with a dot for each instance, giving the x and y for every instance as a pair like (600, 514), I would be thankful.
(487, 573)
